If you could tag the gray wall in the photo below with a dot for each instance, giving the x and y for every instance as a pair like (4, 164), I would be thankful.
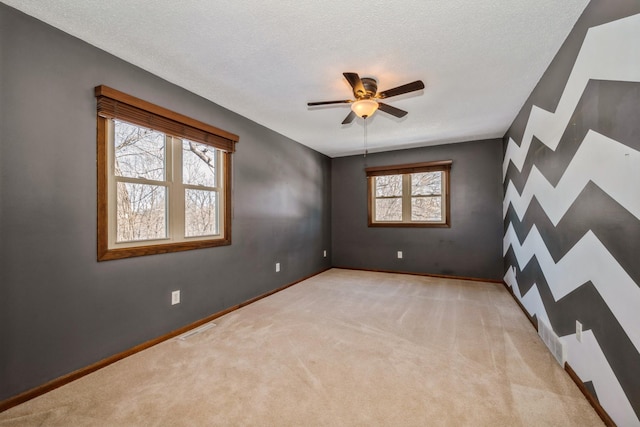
(470, 248)
(60, 309)
(572, 203)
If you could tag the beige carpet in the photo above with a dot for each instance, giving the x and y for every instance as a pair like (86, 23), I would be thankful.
(344, 348)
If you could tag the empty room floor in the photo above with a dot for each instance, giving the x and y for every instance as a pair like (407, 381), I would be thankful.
(343, 348)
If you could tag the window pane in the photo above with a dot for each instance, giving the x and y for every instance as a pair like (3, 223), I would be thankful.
(201, 213)
(140, 152)
(141, 212)
(198, 164)
(389, 209)
(426, 209)
(426, 183)
(388, 185)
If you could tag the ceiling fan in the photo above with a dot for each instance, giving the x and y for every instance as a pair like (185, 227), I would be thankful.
(365, 91)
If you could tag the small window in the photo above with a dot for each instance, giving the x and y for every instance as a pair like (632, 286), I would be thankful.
(413, 195)
(163, 179)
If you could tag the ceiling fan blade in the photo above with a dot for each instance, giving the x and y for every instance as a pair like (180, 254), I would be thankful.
(391, 110)
(349, 118)
(409, 87)
(345, 101)
(356, 83)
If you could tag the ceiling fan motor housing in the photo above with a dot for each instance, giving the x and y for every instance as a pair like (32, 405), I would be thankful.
(370, 86)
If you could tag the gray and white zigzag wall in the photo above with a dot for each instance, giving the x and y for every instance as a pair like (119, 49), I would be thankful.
(572, 204)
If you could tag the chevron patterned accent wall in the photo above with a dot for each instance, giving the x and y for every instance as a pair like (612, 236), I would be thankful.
(572, 203)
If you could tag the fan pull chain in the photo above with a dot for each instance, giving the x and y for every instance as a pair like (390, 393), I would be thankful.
(365, 137)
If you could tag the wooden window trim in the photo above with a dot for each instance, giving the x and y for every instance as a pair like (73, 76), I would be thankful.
(114, 104)
(442, 165)
(214, 137)
(409, 168)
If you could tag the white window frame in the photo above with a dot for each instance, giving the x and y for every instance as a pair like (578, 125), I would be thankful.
(175, 195)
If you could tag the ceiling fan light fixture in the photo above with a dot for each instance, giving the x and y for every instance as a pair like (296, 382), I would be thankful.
(365, 92)
(364, 107)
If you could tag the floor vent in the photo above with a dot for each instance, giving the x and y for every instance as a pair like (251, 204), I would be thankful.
(195, 331)
(552, 341)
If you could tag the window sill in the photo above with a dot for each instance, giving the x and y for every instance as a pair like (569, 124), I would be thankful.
(410, 225)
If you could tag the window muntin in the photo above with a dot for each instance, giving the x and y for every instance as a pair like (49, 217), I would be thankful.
(163, 179)
(414, 195)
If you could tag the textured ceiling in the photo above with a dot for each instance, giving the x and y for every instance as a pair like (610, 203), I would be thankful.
(265, 60)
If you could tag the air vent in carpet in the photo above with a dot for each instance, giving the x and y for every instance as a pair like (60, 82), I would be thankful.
(195, 331)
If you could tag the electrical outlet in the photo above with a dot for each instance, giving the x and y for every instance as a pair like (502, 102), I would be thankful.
(399, 254)
(324, 253)
(277, 267)
(175, 297)
(578, 331)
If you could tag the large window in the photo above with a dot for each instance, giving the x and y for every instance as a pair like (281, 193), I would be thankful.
(163, 179)
(413, 195)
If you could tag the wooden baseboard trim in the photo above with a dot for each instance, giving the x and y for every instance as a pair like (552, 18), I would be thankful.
(412, 273)
(524, 310)
(572, 374)
(592, 400)
(66, 379)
